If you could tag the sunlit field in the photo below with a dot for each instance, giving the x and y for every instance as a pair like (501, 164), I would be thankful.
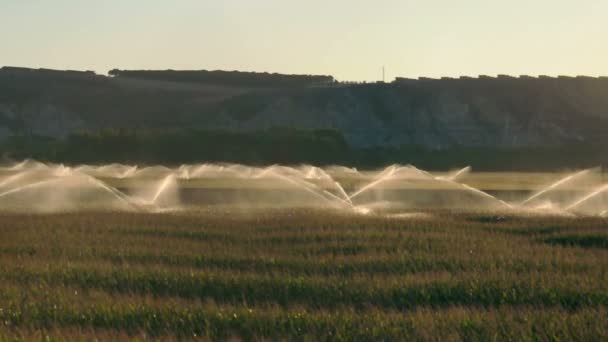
(237, 252)
(306, 273)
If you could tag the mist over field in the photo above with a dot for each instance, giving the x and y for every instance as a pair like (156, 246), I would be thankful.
(397, 190)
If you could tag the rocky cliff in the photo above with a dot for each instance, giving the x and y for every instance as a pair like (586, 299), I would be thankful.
(493, 112)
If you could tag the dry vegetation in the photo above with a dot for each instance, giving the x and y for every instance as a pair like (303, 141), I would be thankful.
(313, 275)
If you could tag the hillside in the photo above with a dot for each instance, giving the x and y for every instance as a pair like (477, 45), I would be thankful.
(503, 112)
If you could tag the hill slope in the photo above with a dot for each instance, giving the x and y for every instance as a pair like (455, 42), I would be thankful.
(437, 114)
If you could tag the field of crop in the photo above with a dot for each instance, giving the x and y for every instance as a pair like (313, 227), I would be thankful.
(303, 274)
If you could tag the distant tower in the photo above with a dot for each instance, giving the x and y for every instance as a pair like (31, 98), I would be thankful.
(383, 75)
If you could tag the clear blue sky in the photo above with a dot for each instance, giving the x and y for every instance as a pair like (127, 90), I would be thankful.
(350, 39)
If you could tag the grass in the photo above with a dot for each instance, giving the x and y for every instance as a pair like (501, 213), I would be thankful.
(585, 241)
(304, 275)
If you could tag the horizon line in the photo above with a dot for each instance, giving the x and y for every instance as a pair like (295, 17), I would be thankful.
(395, 78)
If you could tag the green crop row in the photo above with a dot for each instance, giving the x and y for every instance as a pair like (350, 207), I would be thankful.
(286, 291)
(249, 324)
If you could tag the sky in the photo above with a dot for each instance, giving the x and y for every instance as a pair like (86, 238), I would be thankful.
(349, 39)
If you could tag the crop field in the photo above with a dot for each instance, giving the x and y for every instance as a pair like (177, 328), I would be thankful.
(304, 274)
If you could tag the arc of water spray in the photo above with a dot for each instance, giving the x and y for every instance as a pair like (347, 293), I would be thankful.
(324, 174)
(14, 178)
(63, 170)
(343, 193)
(21, 165)
(28, 186)
(311, 172)
(337, 184)
(264, 172)
(112, 190)
(347, 202)
(306, 185)
(199, 171)
(482, 193)
(310, 187)
(331, 192)
(588, 197)
(382, 177)
(11, 179)
(163, 186)
(120, 196)
(560, 182)
(129, 172)
(183, 172)
(313, 189)
(457, 174)
(451, 180)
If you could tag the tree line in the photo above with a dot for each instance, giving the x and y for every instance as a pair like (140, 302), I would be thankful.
(227, 78)
(285, 146)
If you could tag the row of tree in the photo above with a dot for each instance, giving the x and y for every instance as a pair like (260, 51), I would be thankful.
(227, 78)
(284, 146)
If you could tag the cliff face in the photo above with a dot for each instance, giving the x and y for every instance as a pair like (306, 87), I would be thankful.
(507, 113)
(494, 112)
